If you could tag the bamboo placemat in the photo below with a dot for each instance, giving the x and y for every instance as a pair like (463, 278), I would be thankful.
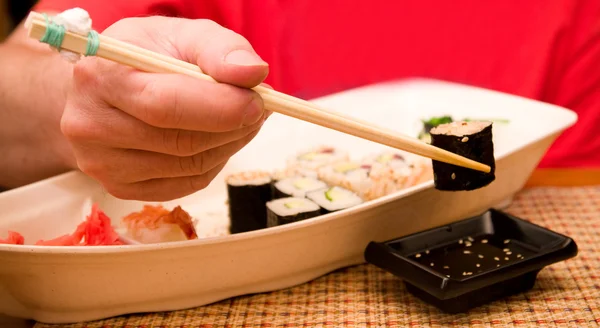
(566, 294)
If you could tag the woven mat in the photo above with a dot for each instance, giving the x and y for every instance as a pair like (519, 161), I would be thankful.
(566, 294)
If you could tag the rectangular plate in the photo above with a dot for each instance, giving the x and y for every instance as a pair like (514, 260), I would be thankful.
(472, 262)
(46, 283)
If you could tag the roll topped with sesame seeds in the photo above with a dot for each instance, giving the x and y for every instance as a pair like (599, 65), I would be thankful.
(473, 140)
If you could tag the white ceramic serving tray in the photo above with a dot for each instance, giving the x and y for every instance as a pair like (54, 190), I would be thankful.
(72, 284)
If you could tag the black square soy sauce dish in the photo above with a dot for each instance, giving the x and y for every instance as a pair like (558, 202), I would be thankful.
(472, 262)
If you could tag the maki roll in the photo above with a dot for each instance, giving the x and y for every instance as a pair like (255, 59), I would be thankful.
(290, 209)
(394, 170)
(296, 187)
(394, 159)
(292, 172)
(388, 158)
(346, 174)
(472, 140)
(248, 193)
(383, 181)
(315, 158)
(334, 199)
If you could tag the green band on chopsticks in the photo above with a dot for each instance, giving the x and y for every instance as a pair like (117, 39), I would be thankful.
(54, 35)
(93, 43)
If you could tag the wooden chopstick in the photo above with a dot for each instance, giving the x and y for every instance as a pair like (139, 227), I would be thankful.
(146, 60)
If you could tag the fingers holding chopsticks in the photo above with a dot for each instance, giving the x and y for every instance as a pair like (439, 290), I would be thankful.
(182, 102)
(160, 136)
(114, 128)
(121, 171)
(221, 53)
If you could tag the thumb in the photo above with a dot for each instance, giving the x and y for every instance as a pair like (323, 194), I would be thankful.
(219, 52)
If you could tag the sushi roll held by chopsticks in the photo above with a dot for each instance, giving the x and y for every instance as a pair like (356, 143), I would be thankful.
(472, 140)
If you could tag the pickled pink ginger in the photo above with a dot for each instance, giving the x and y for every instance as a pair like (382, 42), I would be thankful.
(96, 230)
(14, 238)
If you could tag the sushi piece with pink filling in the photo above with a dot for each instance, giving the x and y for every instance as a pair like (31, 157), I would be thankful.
(346, 174)
(155, 224)
(314, 158)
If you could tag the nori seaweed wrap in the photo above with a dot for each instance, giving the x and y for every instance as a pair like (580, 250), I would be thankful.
(472, 140)
(248, 194)
(290, 209)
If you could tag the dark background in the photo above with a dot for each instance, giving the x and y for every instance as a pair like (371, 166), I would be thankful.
(11, 13)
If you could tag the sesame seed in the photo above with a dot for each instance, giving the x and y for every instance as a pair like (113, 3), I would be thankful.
(480, 256)
(519, 255)
(471, 239)
(478, 265)
(446, 267)
(427, 252)
(464, 273)
(468, 244)
(469, 273)
(465, 139)
(496, 258)
(418, 255)
(460, 241)
(507, 241)
(506, 259)
(453, 176)
(448, 275)
(506, 250)
(431, 264)
(467, 252)
(484, 241)
(497, 265)
(508, 253)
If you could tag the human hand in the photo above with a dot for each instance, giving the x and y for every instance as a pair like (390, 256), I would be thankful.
(157, 137)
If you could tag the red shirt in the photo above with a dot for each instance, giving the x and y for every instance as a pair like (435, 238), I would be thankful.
(540, 49)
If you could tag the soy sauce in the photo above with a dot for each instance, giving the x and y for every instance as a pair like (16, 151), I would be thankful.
(467, 257)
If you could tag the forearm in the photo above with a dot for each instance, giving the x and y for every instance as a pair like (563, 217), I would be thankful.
(33, 82)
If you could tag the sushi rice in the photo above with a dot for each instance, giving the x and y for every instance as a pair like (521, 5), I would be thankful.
(388, 158)
(290, 209)
(314, 158)
(346, 174)
(291, 172)
(395, 170)
(334, 198)
(297, 186)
